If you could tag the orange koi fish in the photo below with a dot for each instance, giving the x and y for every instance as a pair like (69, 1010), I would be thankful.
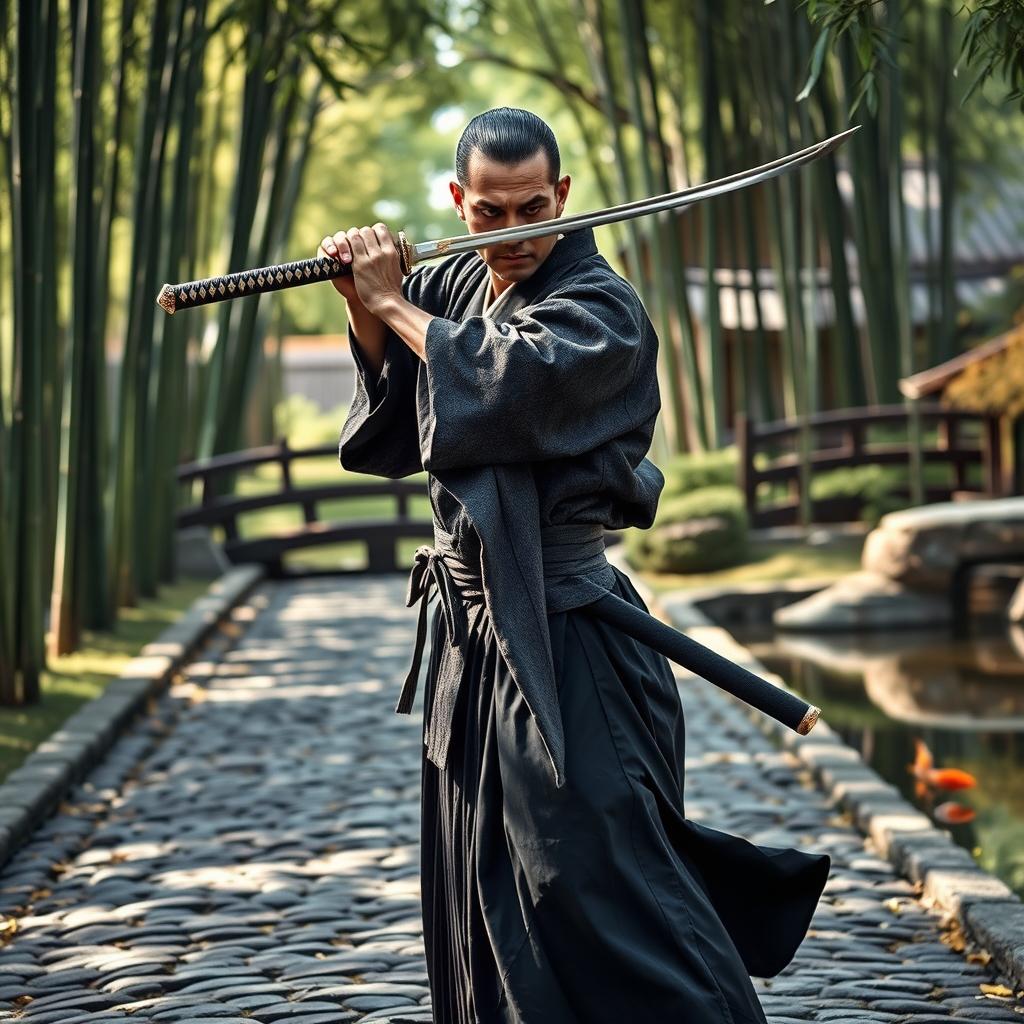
(923, 763)
(929, 777)
(950, 778)
(951, 813)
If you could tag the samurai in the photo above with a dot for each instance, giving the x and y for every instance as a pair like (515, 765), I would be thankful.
(561, 881)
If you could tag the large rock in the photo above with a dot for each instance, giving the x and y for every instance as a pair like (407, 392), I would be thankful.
(865, 600)
(921, 547)
(907, 566)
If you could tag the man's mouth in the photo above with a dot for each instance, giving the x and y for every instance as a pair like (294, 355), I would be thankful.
(515, 256)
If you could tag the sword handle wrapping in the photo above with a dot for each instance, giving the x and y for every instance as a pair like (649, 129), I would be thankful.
(202, 292)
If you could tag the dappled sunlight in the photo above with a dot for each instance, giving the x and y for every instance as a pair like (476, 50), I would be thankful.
(268, 688)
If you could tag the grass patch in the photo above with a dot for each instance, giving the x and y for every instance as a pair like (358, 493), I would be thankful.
(347, 556)
(772, 560)
(70, 681)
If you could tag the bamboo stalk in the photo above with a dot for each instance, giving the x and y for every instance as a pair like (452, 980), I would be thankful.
(24, 658)
(671, 274)
(711, 137)
(168, 384)
(130, 436)
(75, 454)
(258, 94)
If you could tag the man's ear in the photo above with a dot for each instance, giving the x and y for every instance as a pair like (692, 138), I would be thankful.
(562, 194)
(458, 198)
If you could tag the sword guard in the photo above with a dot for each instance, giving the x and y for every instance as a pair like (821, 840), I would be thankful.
(406, 254)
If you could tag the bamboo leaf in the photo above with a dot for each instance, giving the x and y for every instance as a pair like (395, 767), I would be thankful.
(817, 59)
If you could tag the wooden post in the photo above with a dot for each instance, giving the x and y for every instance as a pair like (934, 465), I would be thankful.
(745, 442)
(993, 457)
(1018, 455)
(380, 554)
(854, 439)
(286, 464)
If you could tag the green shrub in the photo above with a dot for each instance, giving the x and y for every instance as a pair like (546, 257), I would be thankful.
(876, 486)
(873, 485)
(704, 530)
(685, 473)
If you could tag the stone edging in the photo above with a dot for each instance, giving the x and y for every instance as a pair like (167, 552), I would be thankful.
(32, 791)
(988, 911)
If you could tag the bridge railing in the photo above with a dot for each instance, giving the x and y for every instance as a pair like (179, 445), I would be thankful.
(840, 439)
(380, 535)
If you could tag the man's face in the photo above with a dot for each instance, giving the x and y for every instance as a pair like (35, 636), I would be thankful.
(506, 195)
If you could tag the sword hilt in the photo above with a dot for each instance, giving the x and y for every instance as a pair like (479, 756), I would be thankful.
(274, 278)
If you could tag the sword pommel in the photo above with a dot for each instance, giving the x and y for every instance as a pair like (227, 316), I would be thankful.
(166, 298)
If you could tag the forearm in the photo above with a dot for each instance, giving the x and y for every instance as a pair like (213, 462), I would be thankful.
(370, 332)
(408, 321)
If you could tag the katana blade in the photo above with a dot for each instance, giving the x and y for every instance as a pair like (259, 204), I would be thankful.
(637, 208)
(318, 268)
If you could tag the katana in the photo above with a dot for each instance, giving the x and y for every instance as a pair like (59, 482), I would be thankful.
(319, 268)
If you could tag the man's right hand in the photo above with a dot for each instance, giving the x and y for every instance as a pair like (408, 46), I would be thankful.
(336, 247)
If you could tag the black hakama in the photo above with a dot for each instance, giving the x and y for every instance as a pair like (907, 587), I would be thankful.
(561, 880)
(597, 901)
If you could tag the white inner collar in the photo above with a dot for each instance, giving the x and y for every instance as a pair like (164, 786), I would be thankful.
(492, 305)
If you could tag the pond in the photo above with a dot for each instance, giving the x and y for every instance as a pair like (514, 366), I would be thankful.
(964, 698)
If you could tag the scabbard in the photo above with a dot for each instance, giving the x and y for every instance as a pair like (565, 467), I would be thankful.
(759, 693)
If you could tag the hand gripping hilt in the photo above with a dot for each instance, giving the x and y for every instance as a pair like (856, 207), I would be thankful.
(267, 279)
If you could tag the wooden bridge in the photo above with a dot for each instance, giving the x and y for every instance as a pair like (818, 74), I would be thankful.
(966, 442)
(217, 508)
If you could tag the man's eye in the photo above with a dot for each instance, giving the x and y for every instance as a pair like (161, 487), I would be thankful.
(489, 213)
(531, 211)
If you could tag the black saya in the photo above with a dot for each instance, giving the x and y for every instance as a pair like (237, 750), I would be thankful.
(562, 882)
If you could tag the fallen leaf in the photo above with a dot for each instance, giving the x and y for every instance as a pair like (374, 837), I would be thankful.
(996, 990)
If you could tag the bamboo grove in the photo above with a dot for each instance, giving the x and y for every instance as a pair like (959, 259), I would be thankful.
(163, 140)
(673, 93)
(191, 121)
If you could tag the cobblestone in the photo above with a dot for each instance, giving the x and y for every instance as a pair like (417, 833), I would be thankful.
(248, 851)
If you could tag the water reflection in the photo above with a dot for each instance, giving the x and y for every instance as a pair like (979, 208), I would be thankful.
(964, 698)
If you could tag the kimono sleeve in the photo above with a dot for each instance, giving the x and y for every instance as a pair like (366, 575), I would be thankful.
(380, 433)
(550, 381)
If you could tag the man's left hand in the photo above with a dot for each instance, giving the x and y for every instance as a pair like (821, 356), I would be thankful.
(375, 266)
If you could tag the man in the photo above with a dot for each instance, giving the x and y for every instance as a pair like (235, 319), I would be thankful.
(561, 881)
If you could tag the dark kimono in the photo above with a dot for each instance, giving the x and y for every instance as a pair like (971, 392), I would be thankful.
(561, 881)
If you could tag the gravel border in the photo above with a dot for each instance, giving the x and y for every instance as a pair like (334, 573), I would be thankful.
(32, 791)
(987, 910)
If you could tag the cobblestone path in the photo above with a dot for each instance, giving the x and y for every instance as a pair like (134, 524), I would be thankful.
(248, 852)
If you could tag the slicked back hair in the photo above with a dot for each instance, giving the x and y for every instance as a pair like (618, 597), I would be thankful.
(508, 135)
